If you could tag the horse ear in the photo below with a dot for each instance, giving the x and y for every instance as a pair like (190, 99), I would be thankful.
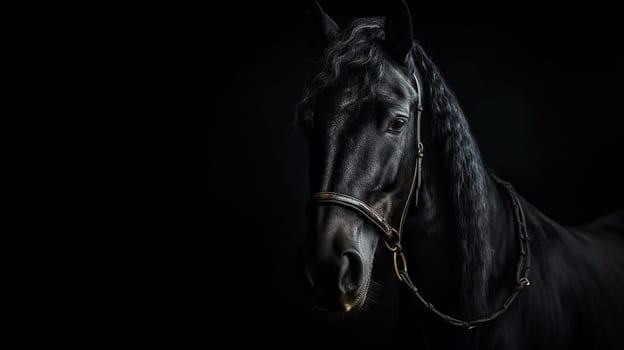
(399, 30)
(322, 26)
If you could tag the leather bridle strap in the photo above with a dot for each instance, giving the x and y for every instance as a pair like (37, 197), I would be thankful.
(358, 205)
(420, 153)
(522, 269)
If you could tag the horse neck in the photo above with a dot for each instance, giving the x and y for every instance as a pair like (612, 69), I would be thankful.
(460, 238)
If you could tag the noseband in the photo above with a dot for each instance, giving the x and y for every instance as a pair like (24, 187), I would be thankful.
(392, 236)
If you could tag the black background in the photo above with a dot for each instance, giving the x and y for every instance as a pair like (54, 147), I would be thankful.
(542, 95)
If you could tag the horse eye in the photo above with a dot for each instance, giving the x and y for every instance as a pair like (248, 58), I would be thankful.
(397, 124)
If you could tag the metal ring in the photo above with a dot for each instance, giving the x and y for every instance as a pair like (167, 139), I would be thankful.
(396, 265)
(395, 241)
(392, 249)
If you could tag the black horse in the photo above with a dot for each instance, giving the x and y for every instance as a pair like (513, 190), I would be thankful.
(487, 270)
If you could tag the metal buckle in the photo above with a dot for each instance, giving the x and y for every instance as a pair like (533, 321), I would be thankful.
(421, 150)
(525, 281)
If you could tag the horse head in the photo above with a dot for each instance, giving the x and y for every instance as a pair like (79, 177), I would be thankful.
(360, 113)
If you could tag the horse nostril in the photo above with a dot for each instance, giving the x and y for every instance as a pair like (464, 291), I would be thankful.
(351, 272)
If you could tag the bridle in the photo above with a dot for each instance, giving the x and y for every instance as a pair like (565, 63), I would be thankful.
(392, 236)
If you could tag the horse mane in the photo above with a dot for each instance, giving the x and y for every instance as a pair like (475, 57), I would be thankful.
(358, 53)
(468, 180)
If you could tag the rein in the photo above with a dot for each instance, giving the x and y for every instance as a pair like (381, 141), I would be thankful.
(392, 236)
